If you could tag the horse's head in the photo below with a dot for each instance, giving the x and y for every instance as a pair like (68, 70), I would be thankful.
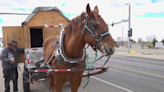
(96, 33)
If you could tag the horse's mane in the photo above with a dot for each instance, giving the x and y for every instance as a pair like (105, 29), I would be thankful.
(72, 25)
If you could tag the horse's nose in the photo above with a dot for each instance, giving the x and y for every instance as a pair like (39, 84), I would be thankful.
(111, 50)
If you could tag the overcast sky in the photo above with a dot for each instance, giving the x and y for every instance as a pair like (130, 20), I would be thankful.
(147, 16)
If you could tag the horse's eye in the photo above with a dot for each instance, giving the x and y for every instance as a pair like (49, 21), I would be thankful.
(97, 25)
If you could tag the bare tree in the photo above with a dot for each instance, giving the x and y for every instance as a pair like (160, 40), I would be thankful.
(150, 38)
(139, 40)
(118, 39)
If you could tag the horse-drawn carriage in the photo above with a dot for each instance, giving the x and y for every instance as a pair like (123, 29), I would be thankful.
(57, 51)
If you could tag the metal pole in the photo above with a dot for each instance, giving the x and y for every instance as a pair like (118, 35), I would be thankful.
(122, 36)
(117, 23)
(129, 26)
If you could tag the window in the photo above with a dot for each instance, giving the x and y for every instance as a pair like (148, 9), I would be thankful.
(36, 37)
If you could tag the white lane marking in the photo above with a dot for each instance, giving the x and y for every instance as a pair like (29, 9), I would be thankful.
(111, 84)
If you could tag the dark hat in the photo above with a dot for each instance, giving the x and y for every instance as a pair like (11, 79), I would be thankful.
(13, 42)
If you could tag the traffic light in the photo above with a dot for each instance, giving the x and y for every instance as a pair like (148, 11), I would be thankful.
(130, 33)
(112, 24)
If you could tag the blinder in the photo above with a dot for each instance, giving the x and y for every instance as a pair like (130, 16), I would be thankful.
(93, 26)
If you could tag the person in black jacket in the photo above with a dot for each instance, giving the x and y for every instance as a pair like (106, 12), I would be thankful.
(9, 58)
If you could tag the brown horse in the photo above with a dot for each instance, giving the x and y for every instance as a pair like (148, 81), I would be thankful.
(89, 28)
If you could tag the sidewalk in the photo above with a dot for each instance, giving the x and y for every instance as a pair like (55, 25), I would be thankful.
(153, 56)
(124, 53)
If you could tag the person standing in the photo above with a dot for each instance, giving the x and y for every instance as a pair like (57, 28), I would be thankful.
(9, 58)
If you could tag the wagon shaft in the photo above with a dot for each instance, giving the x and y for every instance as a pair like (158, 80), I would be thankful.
(99, 72)
(68, 70)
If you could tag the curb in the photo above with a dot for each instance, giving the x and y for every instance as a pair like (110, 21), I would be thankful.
(147, 53)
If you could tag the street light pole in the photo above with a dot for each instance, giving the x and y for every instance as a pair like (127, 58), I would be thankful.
(129, 21)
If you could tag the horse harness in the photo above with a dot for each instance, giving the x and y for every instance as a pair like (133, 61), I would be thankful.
(60, 55)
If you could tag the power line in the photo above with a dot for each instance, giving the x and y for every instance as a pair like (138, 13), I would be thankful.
(15, 13)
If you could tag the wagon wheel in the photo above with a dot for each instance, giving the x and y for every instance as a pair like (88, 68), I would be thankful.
(26, 85)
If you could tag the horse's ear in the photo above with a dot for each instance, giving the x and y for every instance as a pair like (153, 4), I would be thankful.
(88, 10)
(96, 9)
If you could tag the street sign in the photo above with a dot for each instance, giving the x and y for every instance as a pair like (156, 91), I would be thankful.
(123, 20)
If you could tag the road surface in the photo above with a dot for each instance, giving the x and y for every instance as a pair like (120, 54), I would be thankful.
(126, 74)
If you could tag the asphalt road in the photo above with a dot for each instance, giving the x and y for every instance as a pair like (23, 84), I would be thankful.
(135, 74)
(125, 74)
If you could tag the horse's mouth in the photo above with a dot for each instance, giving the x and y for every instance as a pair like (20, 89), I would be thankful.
(107, 51)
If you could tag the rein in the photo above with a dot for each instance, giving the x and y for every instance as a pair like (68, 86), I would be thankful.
(98, 38)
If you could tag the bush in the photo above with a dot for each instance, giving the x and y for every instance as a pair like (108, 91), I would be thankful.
(162, 41)
(154, 41)
(115, 43)
(149, 45)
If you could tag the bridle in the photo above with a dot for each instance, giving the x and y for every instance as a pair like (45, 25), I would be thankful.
(94, 26)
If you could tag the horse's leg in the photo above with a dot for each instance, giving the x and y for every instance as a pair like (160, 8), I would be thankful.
(51, 79)
(58, 84)
(75, 84)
